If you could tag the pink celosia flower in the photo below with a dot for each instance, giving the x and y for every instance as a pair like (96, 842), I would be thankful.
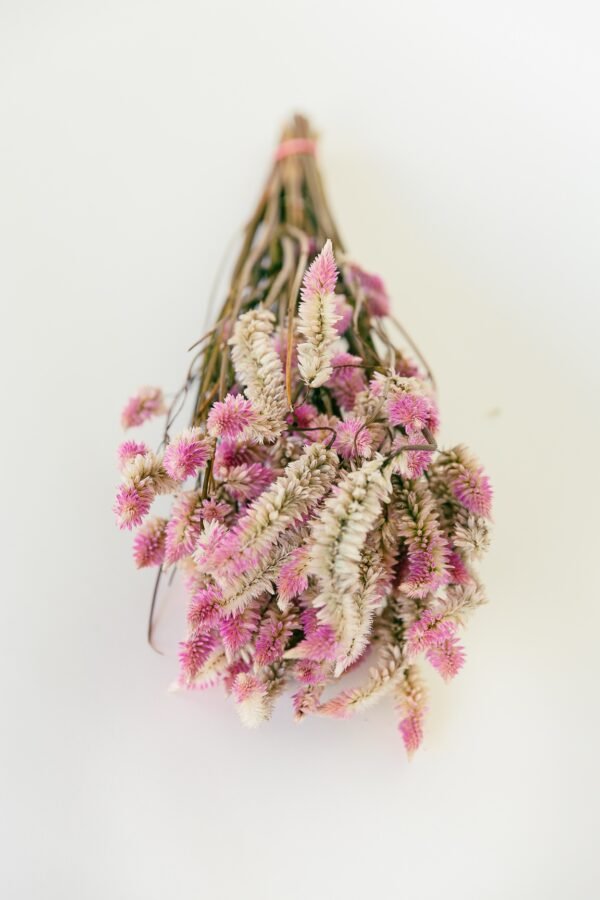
(194, 653)
(246, 482)
(292, 579)
(412, 463)
(132, 504)
(411, 729)
(309, 671)
(321, 276)
(149, 543)
(430, 630)
(273, 635)
(459, 573)
(472, 488)
(204, 611)
(426, 565)
(303, 415)
(412, 411)
(185, 524)
(234, 669)
(148, 402)
(250, 693)
(448, 658)
(214, 511)
(237, 630)
(319, 645)
(378, 302)
(347, 379)
(305, 701)
(345, 313)
(128, 450)
(353, 440)
(230, 417)
(230, 453)
(186, 454)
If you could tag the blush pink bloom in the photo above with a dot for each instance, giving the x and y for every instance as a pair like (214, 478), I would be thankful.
(347, 379)
(204, 611)
(132, 504)
(353, 440)
(472, 488)
(411, 730)
(376, 296)
(271, 640)
(412, 411)
(186, 454)
(129, 450)
(184, 527)
(321, 276)
(292, 579)
(237, 630)
(430, 630)
(448, 658)
(246, 482)
(345, 312)
(247, 686)
(148, 402)
(417, 461)
(149, 543)
(303, 415)
(194, 653)
(230, 417)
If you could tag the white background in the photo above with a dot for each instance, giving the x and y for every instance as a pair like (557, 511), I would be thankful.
(460, 146)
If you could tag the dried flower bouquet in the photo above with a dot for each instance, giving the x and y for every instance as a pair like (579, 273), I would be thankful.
(314, 518)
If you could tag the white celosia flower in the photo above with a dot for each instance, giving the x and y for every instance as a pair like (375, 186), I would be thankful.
(471, 535)
(317, 319)
(258, 367)
(149, 470)
(338, 551)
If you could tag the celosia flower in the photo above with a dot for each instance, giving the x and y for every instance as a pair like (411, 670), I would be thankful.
(132, 504)
(149, 543)
(148, 402)
(273, 635)
(194, 654)
(129, 450)
(411, 703)
(184, 526)
(204, 611)
(293, 579)
(347, 379)
(427, 547)
(353, 439)
(448, 658)
(344, 312)
(317, 319)
(373, 288)
(186, 454)
(430, 630)
(259, 368)
(246, 482)
(471, 487)
(148, 471)
(231, 417)
(250, 695)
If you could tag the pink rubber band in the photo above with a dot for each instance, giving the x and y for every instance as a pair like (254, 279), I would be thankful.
(295, 146)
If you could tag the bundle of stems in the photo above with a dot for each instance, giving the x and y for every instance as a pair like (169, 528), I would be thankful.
(316, 521)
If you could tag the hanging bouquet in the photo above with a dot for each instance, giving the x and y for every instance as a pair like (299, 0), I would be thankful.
(318, 526)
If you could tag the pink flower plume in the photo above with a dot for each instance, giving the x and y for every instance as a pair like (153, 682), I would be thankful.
(353, 440)
(448, 657)
(230, 417)
(132, 504)
(129, 450)
(186, 454)
(149, 543)
(472, 488)
(148, 402)
(321, 276)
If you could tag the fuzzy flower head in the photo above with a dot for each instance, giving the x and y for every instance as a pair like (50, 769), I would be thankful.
(472, 488)
(373, 290)
(292, 579)
(353, 440)
(230, 417)
(250, 695)
(132, 504)
(149, 543)
(447, 657)
(347, 379)
(129, 450)
(430, 630)
(148, 402)
(186, 454)
(317, 319)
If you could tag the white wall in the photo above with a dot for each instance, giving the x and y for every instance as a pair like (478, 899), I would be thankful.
(460, 148)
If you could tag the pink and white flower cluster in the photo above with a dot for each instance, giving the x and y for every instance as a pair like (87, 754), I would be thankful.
(316, 523)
